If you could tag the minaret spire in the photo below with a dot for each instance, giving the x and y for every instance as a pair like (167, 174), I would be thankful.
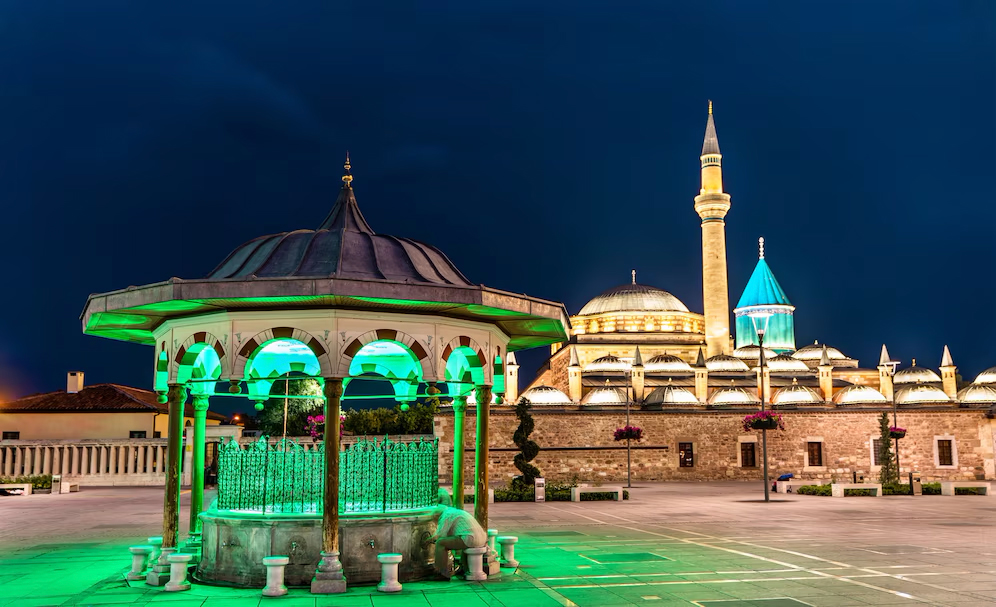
(347, 178)
(634, 276)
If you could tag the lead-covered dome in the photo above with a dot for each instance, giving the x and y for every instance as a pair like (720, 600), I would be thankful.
(796, 395)
(633, 298)
(978, 393)
(607, 363)
(753, 353)
(670, 396)
(858, 395)
(814, 351)
(734, 396)
(667, 363)
(916, 375)
(343, 246)
(605, 396)
(545, 395)
(785, 363)
(921, 394)
(724, 363)
(986, 377)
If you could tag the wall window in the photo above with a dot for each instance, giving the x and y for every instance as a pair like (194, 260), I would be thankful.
(686, 457)
(945, 456)
(136, 434)
(11, 436)
(157, 434)
(876, 452)
(748, 455)
(814, 453)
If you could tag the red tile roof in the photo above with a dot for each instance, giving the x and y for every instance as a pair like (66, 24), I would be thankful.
(98, 398)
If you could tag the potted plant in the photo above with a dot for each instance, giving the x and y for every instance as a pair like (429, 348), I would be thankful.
(763, 420)
(628, 432)
(897, 432)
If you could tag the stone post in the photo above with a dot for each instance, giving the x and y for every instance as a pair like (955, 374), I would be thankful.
(329, 578)
(481, 456)
(197, 465)
(459, 414)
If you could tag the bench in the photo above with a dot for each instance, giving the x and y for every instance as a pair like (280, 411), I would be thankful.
(65, 487)
(837, 489)
(26, 487)
(577, 491)
(785, 486)
(948, 487)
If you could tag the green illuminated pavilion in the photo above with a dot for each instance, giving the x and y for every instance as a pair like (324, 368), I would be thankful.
(336, 303)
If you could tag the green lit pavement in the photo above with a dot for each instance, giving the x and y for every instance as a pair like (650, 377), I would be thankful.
(710, 544)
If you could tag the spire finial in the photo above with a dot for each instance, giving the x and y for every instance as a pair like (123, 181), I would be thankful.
(710, 106)
(633, 272)
(760, 248)
(347, 178)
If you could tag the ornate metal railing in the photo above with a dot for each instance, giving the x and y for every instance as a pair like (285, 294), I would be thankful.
(374, 476)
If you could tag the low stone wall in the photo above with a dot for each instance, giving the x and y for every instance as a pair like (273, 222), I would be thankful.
(577, 443)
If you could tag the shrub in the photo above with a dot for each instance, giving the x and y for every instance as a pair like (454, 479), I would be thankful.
(378, 422)
(823, 490)
(41, 481)
(555, 492)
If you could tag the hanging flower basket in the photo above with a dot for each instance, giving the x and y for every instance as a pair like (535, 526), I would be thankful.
(897, 432)
(628, 432)
(763, 420)
(316, 426)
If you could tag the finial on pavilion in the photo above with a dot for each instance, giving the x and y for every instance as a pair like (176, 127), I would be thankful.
(710, 106)
(633, 273)
(760, 248)
(347, 178)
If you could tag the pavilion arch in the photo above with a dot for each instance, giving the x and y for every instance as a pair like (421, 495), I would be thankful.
(498, 372)
(388, 360)
(418, 349)
(314, 344)
(161, 381)
(463, 361)
(276, 359)
(200, 356)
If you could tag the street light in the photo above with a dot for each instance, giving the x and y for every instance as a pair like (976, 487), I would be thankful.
(759, 318)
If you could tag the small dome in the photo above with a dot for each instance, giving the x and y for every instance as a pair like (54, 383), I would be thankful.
(978, 393)
(667, 363)
(546, 395)
(671, 395)
(633, 298)
(607, 363)
(734, 396)
(605, 396)
(914, 375)
(814, 351)
(752, 353)
(858, 395)
(472, 397)
(796, 395)
(722, 362)
(986, 377)
(784, 363)
(921, 393)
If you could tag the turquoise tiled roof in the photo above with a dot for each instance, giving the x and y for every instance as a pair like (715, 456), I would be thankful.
(762, 288)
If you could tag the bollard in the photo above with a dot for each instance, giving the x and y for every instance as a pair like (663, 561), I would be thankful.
(159, 571)
(178, 573)
(389, 572)
(492, 535)
(139, 559)
(157, 544)
(275, 575)
(475, 564)
(508, 550)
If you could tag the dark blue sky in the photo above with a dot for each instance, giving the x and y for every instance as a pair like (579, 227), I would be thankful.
(547, 148)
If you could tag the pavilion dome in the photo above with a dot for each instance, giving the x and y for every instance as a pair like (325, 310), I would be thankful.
(546, 395)
(734, 396)
(633, 298)
(671, 395)
(986, 377)
(343, 246)
(796, 395)
(858, 395)
(753, 352)
(667, 363)
(978, 393)
(921, 393)
(785, 363)
(814, 351)
(607, 363)
(722, 362)
(915, 374)
(605, 396)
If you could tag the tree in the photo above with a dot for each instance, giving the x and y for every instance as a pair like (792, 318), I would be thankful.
(888, 474)
(528, 449)
(271, 419)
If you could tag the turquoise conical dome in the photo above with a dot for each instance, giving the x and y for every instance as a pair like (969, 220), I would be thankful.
(763, 289)
(764, 294)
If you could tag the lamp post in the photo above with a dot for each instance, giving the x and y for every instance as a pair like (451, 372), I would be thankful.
(629, 468)
(890, 368)
(762, 316)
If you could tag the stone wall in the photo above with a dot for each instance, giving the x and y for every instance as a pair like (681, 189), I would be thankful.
(576, 443)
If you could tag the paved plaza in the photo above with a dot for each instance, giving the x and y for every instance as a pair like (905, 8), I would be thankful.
(708, 544)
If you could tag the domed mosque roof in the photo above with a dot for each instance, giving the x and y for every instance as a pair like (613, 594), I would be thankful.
(722, 362)
(858, 395)
(753, 353)
(785, 363)
(814, 351)
(607, 363)
(920, 394)
(986, 377)
(796, 395)
(546, 395)
(978, 393)
(633, 298)
(914, 375)
(667, 363)
(734, 396)
(669, 395)
(605, 396)
(343, 246)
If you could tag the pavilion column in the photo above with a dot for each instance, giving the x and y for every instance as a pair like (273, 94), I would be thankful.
(459, 415)
(177, 397)
(481, 456)
(329, 578)
(197, 465)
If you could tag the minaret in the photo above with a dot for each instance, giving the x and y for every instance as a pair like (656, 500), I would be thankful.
(639, 379)
(886, 368)
(949, 374)
(825, 372)
(712, 205)
(574, 377)
(701, 378)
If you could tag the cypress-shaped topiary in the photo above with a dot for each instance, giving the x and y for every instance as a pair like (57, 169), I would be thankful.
(888, 474)
(528, 449)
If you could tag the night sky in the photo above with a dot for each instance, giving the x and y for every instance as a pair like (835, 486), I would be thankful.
(547, 148)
